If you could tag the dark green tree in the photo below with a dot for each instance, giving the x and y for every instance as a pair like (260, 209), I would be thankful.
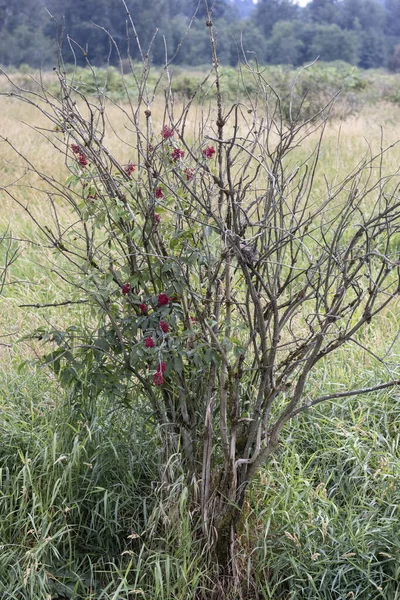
(330, 42)
(82, 21)
(196, 47)
(21, 34)
(362, 15)
(244, 7)
(363, 32)
(239, 41)
(367, 19)
(269, 12)
(392, 20)
(395, 60)
(372, 52)
(323, 11)
(285, 45)
(223, 9)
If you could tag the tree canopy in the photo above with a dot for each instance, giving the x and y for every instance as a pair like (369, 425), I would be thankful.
(361, 32)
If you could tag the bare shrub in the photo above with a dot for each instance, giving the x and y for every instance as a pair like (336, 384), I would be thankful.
(217, 276)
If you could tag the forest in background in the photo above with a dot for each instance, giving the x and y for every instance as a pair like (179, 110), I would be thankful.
(365, 33)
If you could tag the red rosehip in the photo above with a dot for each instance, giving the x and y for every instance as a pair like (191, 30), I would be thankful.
(126, 288)
(164, 326)
(75, 149)
(159, 193)
(129, 169)
(209, 152)
(167, 132)
(143, 308)
(177, 154)
(161, 367)
(162, 300)
(82, 160)
(158, 378)
(149, 342)
(157, 218)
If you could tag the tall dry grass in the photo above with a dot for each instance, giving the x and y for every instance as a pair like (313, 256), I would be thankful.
(345, 143)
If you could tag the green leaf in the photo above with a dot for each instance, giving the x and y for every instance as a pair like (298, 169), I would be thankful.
(178, 364)
(72, 180)
(209, 355)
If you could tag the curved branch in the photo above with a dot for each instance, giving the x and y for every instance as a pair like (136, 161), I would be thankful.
(345, 394)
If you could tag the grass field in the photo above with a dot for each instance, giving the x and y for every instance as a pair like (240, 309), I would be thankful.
(80, 516)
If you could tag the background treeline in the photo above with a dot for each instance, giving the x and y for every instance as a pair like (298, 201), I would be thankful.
(365, 33)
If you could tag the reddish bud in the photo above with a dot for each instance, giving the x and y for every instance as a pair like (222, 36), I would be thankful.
(149, 342)
(164, 326)
(159, 193)
(189, 174)
(157, 218)
(209, 152)
(126, 288)
(167, 132)
(158, 378)
(75, 149)
(129, 169)
(177, 154)
(143, 308)
(162, 300)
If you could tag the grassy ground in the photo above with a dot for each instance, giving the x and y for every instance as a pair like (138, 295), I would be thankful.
(79, 514)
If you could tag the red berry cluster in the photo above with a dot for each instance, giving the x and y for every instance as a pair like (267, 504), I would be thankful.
(129, 169)
(126, 288)
(209, 152)
(80, 155)
(159, 193)
(167, 132)
(149, 342)
(162, 300)
(162, 367)
(164, 327)
(82, 160)
(158, 377)
(177, 154)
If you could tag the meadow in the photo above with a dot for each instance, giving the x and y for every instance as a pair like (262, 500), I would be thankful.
(83, 514)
